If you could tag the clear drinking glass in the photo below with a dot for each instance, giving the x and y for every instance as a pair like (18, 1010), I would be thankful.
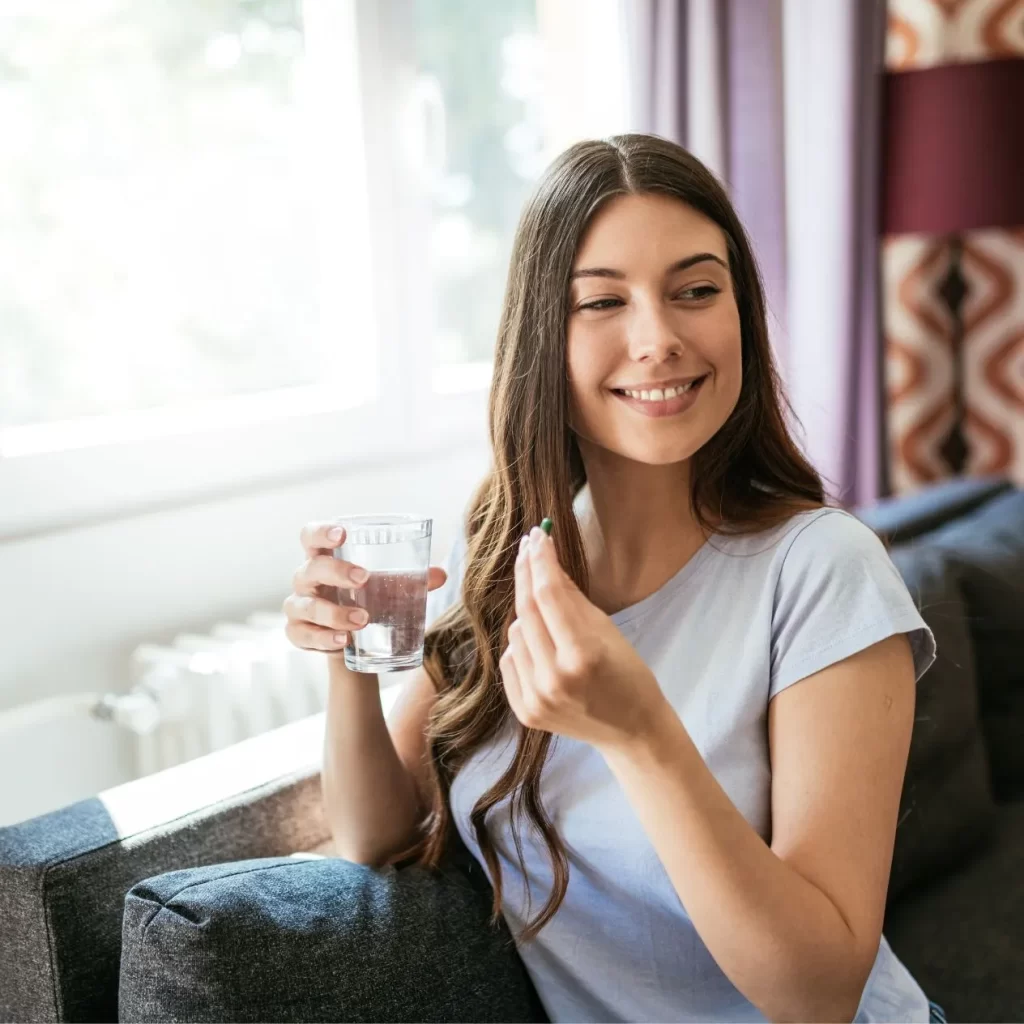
(395, 551)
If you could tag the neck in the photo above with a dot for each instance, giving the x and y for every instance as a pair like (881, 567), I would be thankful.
(638, 528)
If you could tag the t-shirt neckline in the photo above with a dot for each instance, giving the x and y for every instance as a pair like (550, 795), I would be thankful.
(672, 584)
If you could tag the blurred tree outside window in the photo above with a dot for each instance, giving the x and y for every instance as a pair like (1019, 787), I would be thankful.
(486, 61)
(156, 240)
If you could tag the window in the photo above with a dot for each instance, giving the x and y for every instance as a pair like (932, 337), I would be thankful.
(499, 88)
(215, 214)
(161, 225)
(480, 74)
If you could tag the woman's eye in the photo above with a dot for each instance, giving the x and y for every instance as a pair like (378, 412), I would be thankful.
(703, 291)
(601, 304)
(696, 294)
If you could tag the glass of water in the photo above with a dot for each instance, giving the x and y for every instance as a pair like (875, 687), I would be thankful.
(395, 551)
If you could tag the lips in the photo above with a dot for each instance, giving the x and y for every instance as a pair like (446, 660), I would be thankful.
(666, 406)
(662, 390)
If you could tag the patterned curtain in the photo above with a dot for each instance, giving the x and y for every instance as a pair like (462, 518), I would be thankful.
(919, 362)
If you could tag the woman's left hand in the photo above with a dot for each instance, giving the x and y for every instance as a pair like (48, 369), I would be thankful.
(567, 668)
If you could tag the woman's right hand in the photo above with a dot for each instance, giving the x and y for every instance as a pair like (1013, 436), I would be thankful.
(316, 619)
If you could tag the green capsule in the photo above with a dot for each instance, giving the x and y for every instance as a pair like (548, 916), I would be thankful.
(546, 524)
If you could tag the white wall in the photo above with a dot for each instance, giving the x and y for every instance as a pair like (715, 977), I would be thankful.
(74, 604)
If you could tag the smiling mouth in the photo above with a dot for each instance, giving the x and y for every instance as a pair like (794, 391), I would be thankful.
(660, 394)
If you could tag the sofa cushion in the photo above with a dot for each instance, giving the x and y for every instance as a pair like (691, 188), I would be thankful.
(963, 937)
(309, 938)
(987, 548)
(946, 805)
(64, 875)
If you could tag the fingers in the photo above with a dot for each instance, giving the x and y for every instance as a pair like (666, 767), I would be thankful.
(316, 538)
(554, 594)
(535, 636)
(521, 570)
(316, 624)
(323, 569)
(513, 686)
(519, 649)
(316, 619)
(317, 611)
(315, 638)
(327, 571)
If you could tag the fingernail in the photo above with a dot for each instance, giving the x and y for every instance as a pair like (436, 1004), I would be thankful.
(341, 638)
(523, 543)
(335, 534)
(536, 535)
(359, 616)
(359, 575)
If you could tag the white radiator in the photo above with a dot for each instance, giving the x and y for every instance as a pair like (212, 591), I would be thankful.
(198, 694)
(207, 691)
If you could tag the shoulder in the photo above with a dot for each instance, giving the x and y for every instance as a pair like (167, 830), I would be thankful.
(823, 535)
(830, 533)
(832, 548)
(836, 592)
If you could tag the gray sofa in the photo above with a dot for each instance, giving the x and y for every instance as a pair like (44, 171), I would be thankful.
(198, 893)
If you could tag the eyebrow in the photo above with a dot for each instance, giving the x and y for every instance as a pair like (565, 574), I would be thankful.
(683, 264)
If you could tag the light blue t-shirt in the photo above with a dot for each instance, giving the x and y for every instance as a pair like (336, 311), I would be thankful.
(745, 618)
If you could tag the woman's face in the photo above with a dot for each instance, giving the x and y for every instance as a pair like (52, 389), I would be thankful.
(651, 309)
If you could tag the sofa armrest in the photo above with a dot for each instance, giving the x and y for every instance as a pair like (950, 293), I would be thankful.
(64, 875)
(908, 516)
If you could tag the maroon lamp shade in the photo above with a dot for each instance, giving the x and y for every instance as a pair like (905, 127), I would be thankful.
(954, 148)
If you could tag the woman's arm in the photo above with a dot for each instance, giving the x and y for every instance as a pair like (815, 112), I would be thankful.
(372, 779)
(795, 925)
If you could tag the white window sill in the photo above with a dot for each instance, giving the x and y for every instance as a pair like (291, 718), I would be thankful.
(52, 481)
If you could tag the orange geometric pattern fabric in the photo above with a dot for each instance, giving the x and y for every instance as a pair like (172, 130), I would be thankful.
(917, 329)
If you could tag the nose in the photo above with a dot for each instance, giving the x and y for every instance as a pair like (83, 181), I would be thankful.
(651, 337)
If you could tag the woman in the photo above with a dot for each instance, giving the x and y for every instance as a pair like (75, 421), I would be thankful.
(608, 716)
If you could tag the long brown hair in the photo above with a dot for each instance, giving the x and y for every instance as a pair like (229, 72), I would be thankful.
(749, 476)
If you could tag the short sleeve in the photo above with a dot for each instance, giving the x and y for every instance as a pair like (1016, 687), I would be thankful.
(838, 593)
(440, 600)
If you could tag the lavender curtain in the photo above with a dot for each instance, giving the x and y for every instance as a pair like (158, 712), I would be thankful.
(781, 98)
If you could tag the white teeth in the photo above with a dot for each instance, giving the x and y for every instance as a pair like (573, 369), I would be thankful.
(660, 394)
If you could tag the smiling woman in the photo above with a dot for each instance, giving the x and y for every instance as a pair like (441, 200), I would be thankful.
(609, 717)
